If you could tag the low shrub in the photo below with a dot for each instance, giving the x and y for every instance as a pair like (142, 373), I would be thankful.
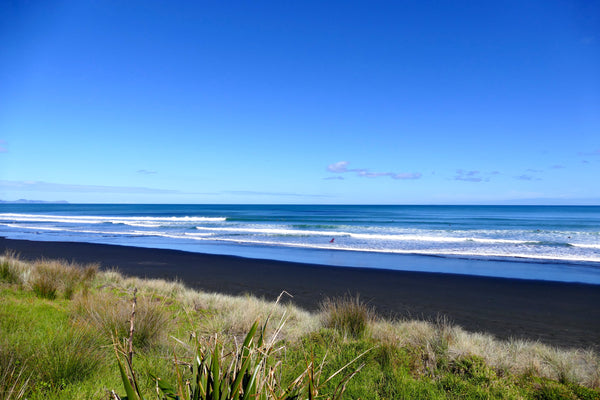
(548, 390)
(472, 368)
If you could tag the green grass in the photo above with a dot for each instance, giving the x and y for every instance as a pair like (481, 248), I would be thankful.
(60, 347)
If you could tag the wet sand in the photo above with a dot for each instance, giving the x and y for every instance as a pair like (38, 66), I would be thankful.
(561, 314)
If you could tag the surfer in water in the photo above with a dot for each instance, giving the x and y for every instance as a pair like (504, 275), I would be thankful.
(332, 240)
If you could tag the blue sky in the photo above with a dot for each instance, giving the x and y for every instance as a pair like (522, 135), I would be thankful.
(403, 102)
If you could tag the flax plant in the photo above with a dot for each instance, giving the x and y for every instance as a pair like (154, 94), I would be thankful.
(250, 371)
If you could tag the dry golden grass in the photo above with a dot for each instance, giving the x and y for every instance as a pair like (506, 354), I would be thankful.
(50, 277)
(235, 315)
(215, 312)
(518, 357)
(47, 278)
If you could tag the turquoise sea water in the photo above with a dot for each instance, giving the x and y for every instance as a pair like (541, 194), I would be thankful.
(532, 242)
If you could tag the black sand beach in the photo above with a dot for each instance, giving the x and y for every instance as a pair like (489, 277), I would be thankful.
(561, 314)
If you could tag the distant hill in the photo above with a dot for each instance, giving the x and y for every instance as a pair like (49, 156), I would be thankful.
(25, 201)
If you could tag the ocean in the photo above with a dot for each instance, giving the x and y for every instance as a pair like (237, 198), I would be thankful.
(559, 243)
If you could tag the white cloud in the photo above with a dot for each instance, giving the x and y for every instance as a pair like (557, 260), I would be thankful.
(3, 146)
(341, 167)
(338, 167)
(257, 193)
(145, 172)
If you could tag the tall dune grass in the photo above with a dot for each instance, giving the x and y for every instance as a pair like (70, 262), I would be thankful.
(50, 277)
(216, 312)
(47, 278)
(516, 356)
(10, 270)
(349, 315)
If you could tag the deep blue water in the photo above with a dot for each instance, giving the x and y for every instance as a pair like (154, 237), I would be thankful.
(532, 242)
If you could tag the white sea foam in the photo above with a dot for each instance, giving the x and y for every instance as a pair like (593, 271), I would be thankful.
(430, 238)
(273, 231)
(97, 219)
(491, 253)
(362, 236)
(482, 244)
(586, 246)
(43, 228)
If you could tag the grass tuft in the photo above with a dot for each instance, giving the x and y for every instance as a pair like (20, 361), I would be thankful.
(348, 315)
(51, 278)
(109, 314)
(9, 268)
(44, 282)
(72, 355)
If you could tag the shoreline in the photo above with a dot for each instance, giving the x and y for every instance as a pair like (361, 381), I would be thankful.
(555, 313)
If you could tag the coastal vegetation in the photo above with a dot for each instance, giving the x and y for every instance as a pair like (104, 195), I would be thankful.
(66, 333)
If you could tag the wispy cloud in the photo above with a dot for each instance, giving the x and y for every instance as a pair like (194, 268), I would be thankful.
(41, 186)
(530, 175)
(332, 178)
(588, 40)
(341, 167)
(338, 167)
(589, 153)
(526, 177)
(406, 175)
(468, 176)
(145, 172)
(51, 187)
(474, 175)
(557, 166)
(259, 193)
(3, 146)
